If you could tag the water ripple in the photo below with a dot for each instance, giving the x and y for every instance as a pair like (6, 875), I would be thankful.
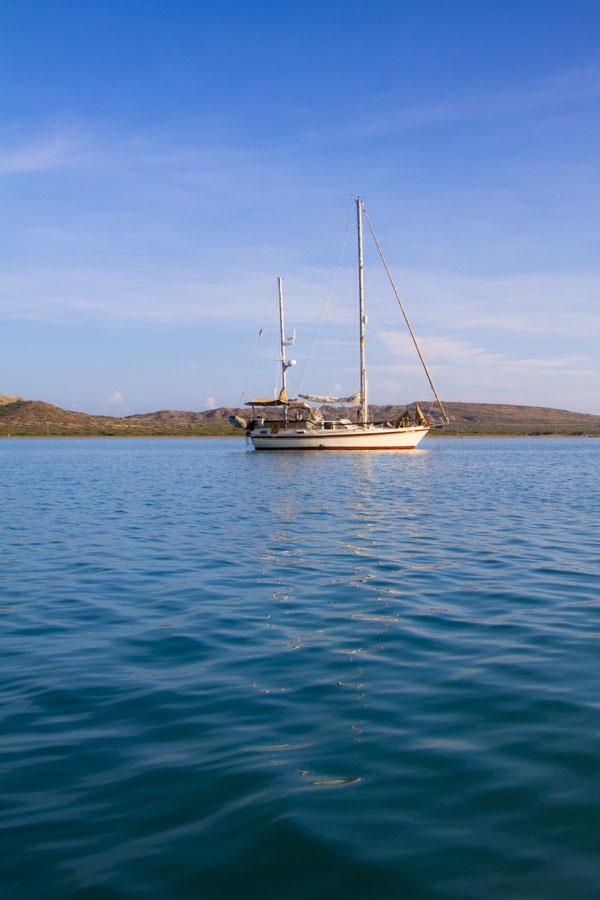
(228, 674)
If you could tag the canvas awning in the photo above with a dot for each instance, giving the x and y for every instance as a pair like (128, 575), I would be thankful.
(315, 398)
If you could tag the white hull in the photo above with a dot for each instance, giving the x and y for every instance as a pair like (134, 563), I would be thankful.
(373, 438)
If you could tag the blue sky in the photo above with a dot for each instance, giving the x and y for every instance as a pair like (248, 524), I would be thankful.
(161, 163)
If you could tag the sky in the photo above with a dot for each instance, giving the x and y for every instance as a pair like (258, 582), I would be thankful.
(162, 162)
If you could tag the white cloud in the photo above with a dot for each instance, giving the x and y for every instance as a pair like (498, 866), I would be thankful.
(445, 351)
(113, 405)
(37, 156)
(564, 303)
(463, 370)
(210, 402)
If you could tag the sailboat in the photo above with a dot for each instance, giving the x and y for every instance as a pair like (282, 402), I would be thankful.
(293, 424)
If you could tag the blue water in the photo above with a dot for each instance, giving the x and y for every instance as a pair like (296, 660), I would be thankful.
(234, 675)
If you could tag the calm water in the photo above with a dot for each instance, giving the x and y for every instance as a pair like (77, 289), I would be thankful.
(227, 674)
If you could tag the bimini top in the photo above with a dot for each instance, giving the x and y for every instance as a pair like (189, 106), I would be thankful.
(282, 400)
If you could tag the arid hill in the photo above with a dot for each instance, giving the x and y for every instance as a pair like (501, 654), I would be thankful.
(466, 418)
(34, 417)
(499, 418)
(218, 416)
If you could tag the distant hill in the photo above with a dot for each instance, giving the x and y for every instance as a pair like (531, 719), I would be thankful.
(178, 417)
(34, 417)
(502, 418)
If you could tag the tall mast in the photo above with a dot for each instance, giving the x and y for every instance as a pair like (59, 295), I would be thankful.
(364, 400)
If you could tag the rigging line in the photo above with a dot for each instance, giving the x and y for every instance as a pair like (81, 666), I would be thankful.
(412, 334)
(324, 308)
(261, 333)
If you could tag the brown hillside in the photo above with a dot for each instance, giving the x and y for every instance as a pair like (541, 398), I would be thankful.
(34, 417)
(498, 418)
(179, 417)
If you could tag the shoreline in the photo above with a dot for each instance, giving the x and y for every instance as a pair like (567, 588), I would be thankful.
(51, 437)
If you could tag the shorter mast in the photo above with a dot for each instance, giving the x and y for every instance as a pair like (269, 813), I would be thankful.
(285, 342)
(364, 400)
(283, 395)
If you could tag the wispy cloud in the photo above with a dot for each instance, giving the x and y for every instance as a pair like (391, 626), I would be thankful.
(567, 88)
(39, 155)
(547, 309)
(470, 371)
(563, 304)
(444, 352)
(235, 291)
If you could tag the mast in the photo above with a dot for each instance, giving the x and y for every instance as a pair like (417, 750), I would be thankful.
(283, 341)
(364, 401)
